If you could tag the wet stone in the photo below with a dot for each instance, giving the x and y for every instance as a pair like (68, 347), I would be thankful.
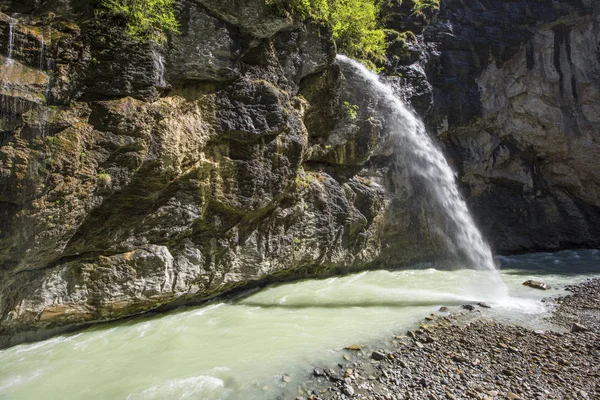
(536, 285)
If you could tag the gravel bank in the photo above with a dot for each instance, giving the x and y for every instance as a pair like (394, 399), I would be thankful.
(461, 356)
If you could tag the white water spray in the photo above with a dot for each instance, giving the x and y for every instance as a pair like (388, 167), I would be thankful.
(428, 162)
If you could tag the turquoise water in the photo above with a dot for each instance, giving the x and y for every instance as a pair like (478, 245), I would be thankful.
(239, 350)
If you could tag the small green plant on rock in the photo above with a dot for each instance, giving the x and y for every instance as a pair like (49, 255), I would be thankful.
(147, 20)
(423, 7)
(104, 179)
(351, 110)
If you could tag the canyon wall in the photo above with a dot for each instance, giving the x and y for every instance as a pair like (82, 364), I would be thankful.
(512, 89)
(135, 177)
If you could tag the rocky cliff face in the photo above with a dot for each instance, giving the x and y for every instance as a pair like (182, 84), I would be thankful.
(134, 177)
(514, 96)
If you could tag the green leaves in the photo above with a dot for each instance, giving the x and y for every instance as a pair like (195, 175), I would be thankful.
(426, 6)
(147, 20)
(356, 29)
(351, 110)
(356, 26)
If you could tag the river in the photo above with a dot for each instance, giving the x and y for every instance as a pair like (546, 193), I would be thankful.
(240, 349)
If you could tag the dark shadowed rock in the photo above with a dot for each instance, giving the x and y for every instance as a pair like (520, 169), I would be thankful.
(578, 328)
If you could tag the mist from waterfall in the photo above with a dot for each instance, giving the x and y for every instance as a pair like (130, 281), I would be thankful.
(426, 162)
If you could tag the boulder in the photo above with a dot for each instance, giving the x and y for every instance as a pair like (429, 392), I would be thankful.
(537, 285)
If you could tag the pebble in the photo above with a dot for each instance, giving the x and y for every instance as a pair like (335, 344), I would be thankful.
(473, 394)
(578, 328)
(348, 390)
(377, 355)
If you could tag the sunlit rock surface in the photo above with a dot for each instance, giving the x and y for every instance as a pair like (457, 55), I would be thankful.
(138, 176)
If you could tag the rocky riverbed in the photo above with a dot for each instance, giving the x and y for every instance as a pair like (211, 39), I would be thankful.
(457, 354)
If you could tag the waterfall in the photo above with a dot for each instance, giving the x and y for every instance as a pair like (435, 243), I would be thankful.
(159, 68)
(11, 40)
(427, 162)
(42, 52)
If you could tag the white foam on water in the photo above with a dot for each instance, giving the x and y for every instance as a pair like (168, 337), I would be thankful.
(207, 309)
(18, 380)
(187, 388)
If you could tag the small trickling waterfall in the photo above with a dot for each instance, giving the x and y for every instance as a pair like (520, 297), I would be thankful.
(159, 68)
(42, 52)
(24, 85)
(11, 40)
(427, 162)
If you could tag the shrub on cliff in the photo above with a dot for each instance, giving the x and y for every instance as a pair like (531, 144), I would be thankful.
(147, 20)
(356, 24)
(426, 7)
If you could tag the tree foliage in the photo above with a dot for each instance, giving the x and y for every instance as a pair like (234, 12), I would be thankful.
(356, 24)
(426, 6)
(147, 20)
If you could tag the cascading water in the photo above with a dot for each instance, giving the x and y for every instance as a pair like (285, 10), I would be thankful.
(24, 85)
(427, 162)
(159, 68)
(11, 40)
(42, 52)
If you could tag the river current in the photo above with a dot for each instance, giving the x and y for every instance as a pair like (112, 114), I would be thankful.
(241, 349)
